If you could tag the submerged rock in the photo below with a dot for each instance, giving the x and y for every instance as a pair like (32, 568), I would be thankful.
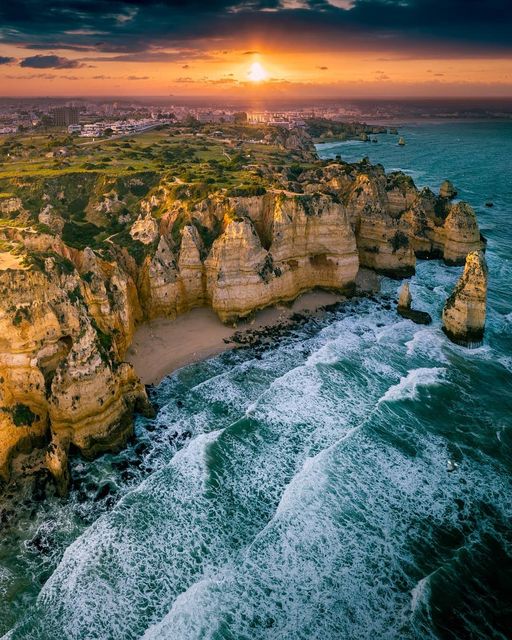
(404, 307)
(465, 309)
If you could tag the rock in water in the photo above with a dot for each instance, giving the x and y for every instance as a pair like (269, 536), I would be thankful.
(405, 298)
(404, 307)
(464, 311)
(447, 190)
(56, 460)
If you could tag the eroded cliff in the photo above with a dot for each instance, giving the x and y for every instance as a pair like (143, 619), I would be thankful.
(73, 290)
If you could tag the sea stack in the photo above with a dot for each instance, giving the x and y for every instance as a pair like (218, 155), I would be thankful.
(404, 307)
(447, 190)
(464, 311)
(404, 297)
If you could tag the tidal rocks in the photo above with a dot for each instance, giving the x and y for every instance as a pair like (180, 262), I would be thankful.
(465, 309)
(56, 461)
(447, 190)
(405, 309)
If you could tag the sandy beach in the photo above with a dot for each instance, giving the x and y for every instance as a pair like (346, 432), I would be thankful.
(164, 345)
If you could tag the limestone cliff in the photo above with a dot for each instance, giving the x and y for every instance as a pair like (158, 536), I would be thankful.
(69, 310)
(310, 244)
(60, 377)
(465, 310)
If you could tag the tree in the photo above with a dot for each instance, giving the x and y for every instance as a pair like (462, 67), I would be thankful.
(240, 117)
(191, 122)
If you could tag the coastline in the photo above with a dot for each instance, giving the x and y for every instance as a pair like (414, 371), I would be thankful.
(164, 345)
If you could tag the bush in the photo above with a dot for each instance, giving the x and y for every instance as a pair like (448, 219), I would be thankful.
(22, 416)
(80, 236)
(247, 191)
(399, 241)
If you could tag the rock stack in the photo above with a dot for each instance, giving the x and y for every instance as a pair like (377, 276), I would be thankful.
(404, 307)
(464, 311)
(447, 190)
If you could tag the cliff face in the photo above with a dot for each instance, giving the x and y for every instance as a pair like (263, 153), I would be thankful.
(311, 244)
(68, 315)
(269, 248)
(465, 310)
(397, 223)
(60, 377)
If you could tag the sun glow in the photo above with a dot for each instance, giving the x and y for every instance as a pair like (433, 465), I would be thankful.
(257, 73)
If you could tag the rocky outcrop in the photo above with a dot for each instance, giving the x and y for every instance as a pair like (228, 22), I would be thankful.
(310, 244)
(447, 190)
(405, 309)
(295, 140)
(461, 234)
(61, 379)
(145, 229)
(465, 309)
(404, 297)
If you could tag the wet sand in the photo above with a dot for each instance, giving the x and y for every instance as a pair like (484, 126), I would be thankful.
(163, 345)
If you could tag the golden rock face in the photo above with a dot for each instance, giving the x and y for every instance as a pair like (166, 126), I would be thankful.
(465, 310)
(59, 375)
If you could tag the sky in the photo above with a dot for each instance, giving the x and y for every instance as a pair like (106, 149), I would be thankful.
(260, 48)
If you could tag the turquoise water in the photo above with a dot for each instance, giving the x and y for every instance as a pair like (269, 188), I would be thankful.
(301, 492)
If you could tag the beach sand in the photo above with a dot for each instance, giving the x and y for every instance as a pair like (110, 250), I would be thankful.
(164, 345)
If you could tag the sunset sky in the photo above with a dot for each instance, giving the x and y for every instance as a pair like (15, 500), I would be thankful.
(278, 48)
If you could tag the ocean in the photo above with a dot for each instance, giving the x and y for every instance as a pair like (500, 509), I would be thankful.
(301, 491)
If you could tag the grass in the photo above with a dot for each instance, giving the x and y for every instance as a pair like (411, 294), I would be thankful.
(170, 163)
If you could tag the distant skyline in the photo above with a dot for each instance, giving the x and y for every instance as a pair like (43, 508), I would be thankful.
(257, 48)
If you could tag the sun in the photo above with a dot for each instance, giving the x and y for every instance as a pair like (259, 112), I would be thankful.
(257, 73)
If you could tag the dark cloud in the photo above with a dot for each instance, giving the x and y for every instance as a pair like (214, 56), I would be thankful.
(146, 30)
(43, 76)
(50, 62)
(323, 68)
(6, 60)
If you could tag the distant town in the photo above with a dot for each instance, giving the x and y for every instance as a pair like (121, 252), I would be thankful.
(111, 118)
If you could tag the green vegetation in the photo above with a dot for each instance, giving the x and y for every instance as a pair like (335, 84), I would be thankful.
(138, 250)
(36, 260)
(80, 236)
(399, 241)
(94, 191)
(21, 414)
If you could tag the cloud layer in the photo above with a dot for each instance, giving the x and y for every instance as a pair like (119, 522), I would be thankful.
(147, 30)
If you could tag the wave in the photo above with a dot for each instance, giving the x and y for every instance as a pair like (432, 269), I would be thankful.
(409, 385)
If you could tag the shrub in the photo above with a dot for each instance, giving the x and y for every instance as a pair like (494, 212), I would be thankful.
(22, 415)
(399, 241)
(247, 191)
